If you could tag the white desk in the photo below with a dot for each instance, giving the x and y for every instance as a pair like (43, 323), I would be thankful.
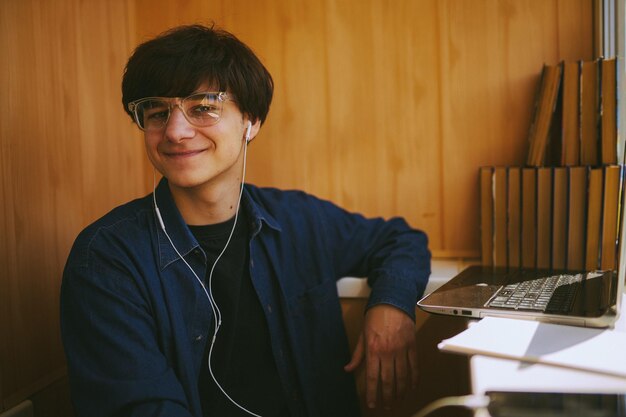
(501, 374)
(508, 375)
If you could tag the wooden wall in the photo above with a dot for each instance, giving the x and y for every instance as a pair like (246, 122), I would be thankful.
(68, 154)
(390, 109)
(387, 108)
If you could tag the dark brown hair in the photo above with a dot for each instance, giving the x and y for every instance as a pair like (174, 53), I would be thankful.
(178, 61)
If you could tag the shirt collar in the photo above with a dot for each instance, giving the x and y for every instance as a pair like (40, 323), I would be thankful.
(177, 236)
(176, 230)
(257, 212)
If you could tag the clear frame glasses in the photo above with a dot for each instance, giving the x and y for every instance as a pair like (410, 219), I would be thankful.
(200, 109)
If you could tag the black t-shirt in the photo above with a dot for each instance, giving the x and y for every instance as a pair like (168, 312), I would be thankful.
(242, 359)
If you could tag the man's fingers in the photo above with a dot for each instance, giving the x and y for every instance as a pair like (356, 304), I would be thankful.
(387, 377)
(371, 379)
(390, 354)
(401, 369)
(357, 356)
(412, 358)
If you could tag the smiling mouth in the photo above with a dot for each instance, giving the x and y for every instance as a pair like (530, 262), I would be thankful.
(183, 154)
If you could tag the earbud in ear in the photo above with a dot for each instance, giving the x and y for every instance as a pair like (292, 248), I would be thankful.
(248, 131)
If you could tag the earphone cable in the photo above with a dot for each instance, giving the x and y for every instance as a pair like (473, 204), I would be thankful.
(214, 307)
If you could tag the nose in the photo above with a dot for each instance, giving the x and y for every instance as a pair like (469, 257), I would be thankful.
(178, 128)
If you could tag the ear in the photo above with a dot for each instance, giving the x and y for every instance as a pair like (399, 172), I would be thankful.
(254, 129)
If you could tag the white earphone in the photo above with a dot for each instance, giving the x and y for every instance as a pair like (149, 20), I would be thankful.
(217, 315)
(248, 131)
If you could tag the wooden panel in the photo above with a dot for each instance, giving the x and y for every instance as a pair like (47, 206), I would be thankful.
(69, 154)
(492, 54)
(576, 29)
(333, 130)
(7, 268)
(390, 109)
(383, 101)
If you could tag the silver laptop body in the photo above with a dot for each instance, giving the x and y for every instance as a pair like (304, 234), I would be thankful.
(589, 299)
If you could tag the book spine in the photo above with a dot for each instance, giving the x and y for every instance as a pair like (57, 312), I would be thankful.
(486, 214)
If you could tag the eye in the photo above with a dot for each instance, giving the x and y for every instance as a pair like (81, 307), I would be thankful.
(154, 111)
(156, 115)
(203, 111)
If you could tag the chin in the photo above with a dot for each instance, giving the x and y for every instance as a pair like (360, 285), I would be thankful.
(186, 181)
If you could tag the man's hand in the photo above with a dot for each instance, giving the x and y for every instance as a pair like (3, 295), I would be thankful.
(388, 344)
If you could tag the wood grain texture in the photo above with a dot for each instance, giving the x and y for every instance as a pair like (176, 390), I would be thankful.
(68, 155)
(493, 52)
(390, 110)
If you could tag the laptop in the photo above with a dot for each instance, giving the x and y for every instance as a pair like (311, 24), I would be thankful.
(579, 298)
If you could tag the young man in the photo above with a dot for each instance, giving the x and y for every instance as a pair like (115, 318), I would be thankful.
(211, 298)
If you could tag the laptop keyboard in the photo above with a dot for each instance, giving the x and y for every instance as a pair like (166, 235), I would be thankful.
(554, 293)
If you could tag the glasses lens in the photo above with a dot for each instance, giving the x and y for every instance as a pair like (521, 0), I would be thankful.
(203, 109)
(152, 114)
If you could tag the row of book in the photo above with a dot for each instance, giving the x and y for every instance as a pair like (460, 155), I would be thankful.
(575, 115)
(550, 217)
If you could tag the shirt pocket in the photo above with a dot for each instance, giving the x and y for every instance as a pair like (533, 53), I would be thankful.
(317, 319)
(315, 300)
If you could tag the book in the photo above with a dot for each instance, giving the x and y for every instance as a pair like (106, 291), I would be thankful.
(559, 218)
(529, 218)
(570, 104)
(544, 216)
(610, 209)
(589, 112)
(592, 350)
(608, 111)
(486, 215)
(576, 210)
(500, 216)
(514, 211)
(545, 104)
(594, 218)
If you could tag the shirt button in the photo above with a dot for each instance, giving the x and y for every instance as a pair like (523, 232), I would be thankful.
(269, 308)
(198, 338)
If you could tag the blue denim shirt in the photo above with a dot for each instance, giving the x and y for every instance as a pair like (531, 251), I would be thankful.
(135, 321)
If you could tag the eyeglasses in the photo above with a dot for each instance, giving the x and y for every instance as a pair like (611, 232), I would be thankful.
(200, 109)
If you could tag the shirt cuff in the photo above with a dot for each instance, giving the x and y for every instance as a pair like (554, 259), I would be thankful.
(400, 290)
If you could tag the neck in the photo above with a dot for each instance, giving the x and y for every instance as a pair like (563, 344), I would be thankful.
(207, 204)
